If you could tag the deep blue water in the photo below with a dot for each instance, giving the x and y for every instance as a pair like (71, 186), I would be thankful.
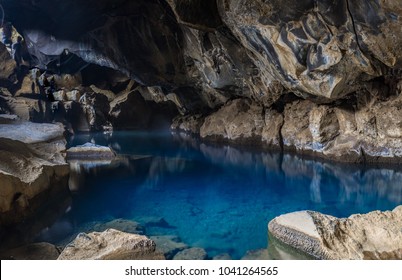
(219, 197)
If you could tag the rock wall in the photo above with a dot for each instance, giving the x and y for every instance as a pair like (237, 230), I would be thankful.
(32, 169)
(316, 76)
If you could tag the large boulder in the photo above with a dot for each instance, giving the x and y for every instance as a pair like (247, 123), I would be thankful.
(110, 244)
(32, 168)
(376, 235)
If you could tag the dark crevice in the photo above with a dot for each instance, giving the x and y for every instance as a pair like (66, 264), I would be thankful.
(354, 26)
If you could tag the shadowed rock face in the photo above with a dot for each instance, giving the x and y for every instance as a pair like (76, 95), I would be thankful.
(139, 38)
(284, 58)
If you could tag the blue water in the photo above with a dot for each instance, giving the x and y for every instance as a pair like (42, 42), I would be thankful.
(220, 197)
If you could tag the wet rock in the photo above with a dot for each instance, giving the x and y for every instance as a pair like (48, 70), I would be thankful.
(261, 254)
(90, 151)
(169, 245)
(35, 251)
(222, 257)
(121, 225)
(376, 235)
(191, 254)
(32, 168)
(240, 119)
(110, 245)
(188, 124)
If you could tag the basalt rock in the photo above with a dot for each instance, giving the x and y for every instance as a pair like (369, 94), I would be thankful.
(32, 169)
(376, 235)
(342, 60)
(110, 244)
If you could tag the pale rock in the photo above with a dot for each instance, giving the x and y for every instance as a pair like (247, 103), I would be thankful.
(110, 244)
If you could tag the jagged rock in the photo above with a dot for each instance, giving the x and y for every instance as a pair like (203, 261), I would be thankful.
(271, 133)
(30, 83)
(60, 95)
(375, 235)
(238, 120)
(90, 151)
(295, 130)
(169, 245)
(191, 254)
(8, 65)
(315, 49)
(32, 168)
(73, 95)
(35, 251)
(323, 125)
(189, 123)
(110, 245)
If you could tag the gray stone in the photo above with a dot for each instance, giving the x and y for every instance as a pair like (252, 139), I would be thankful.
(169, 245)
(191, 254)
(376, 235)
(90, 151)
(110, 245)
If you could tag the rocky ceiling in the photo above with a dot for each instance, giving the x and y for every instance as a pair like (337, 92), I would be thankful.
(321, 50)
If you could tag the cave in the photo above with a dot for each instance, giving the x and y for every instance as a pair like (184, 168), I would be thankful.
(227, 129)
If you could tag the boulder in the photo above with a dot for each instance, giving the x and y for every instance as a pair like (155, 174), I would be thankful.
(376, 235)
(32, 168)
(90, 151)
(110, 244)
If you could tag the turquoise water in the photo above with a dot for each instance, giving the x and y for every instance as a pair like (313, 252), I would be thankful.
(218, 197)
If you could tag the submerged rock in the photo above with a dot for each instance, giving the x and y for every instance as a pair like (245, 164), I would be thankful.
(169, 245)
(110, 245)
(35, 251)
(191, 254)
(376, 235)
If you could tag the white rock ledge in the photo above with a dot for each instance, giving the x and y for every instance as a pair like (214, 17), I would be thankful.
(376, 235)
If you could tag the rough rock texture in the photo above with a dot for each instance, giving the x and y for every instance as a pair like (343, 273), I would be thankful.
(35, 251)
(110, 245)
(191, 254)
(32, 168)
(90, 151)
(316, 76)
(169, 245)
(238, 120)
(376, 235)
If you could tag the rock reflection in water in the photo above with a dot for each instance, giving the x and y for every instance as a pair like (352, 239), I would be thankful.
(214, 196)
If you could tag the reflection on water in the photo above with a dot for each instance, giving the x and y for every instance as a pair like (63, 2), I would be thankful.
(216, 197)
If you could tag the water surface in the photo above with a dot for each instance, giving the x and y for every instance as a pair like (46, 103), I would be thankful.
(216, 197)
